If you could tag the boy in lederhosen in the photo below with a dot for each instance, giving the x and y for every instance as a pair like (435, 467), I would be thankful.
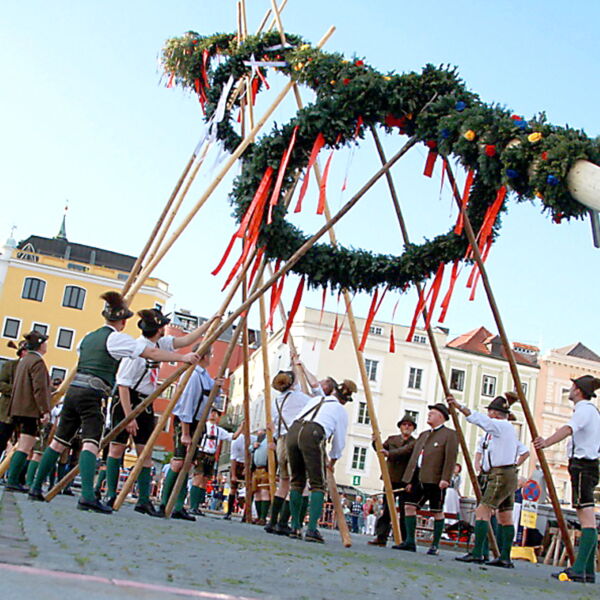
(7, 376)
(321, 419)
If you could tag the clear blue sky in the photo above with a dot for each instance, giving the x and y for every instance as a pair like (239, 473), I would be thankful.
(85, 117)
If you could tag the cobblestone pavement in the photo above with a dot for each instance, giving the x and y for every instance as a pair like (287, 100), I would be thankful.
(64, 553)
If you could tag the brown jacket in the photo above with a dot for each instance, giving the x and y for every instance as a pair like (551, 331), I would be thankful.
(31, 388)
(7, 376)
(399, 454)
(440, 448)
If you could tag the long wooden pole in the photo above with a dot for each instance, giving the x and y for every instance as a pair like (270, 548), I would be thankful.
(199, 431)
(433, 343)
(6, 462)
(246, 409)
(513, 368)
(217, 180)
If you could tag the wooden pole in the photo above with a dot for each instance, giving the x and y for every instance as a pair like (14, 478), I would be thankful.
(198, 432)
(434, 345)
(266, 18)
(264, 346)
(246, 408)
(338, 509)
(513, 368)
(6, 462)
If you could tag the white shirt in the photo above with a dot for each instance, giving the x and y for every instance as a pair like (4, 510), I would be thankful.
(210, 440)
(191, 403)
(238, 450)
(521, 448)
(55, 413)
(289, 404)
(332, 416)
(134, 372)
(585, 424)
(500, 446)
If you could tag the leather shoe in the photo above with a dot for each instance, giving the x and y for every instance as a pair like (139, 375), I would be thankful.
(433, 551)
(296, 534)
(470, 558)
(569, 575)
(110, 501)
(36, 494)
(376, 542)
(280, 529)
(94, 505)
(183, 515)
(405, 546)
(269, 528)
(16, 487)
(146, 508)
(499, 562)
(67, 492)
(197, 512)
(313, 535)
(227, 518)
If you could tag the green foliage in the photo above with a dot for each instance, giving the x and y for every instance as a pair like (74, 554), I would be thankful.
(434, 105)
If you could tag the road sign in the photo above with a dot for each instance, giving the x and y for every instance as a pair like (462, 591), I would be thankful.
(529, 514)
(356, 480)
(531, 490)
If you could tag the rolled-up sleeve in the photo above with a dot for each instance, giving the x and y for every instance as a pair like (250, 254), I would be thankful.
(121, 345)
(188, 401)
(339, 437)
(130, 371)
(483, 421)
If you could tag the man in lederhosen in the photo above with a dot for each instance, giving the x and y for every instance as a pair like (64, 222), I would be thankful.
(397, 450)
(137, 378)
(584, 454)
(7, 377)
(321, 419)
(288, 403)
(236, 471)
(427, 476)
(99, 354)
(500, 453)
(29, 403)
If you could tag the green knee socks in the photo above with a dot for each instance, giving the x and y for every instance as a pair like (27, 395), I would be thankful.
(295, 508)
(182, 494)
(438, 529)
(588, 543)
(275, 510)
(31, 469)
(481, 530)
(167, 488)
(411, 527)
(315, 508)
(284, 516)
(506, 535)
(87, 470)
(197, 496)
(144, 480)
(17, 464)
(47, 464)
(100, 479)
(113, 468)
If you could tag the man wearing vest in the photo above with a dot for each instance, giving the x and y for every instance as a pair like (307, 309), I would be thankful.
(499, 462)
(7, 377)
(427, 476)
(260, 476)
(397, 450)
(290, 401)
(584, 451)
(30, 402)
(137, 378)
(236, 470)
(321, 419)
(187, 413)
(99, 354)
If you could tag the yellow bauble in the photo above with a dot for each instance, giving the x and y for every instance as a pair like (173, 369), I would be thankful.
(332, 82)
(387, 77)
(534, 137)
(470, 135)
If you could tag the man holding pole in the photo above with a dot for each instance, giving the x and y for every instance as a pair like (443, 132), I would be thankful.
(137, 378)
(99, 354)
(584, 453)
(7, 376)
(500, 459)
(321, 419)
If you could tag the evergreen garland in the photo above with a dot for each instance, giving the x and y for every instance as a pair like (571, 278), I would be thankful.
(532, 158)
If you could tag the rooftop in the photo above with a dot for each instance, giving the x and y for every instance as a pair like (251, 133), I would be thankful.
(578, 350)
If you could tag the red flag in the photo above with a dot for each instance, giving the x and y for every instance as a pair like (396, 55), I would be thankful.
(319, 143)
(465, 201)
(254, 90)
(323, 186)
(430, 163)
(257, 262)
(448, 296)
(261, 192)
(226, 255)
(282, 167)
(375, 306)
(435, 290)
(392, 338)
(294, 310)
(335, 336)
(490, 217)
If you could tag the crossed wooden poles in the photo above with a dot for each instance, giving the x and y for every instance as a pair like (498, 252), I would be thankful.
(153, 253)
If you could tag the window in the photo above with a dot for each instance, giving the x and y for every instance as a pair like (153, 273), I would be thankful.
(524, 386)
(40, 328)
(33, 289)
(371, 366)
(488, 387)
(457, 380)
(11, 328)
(363, 414)
(419, 339)
(376, 330)
(158, 306)
(359, 458)
(64, 339)
(414, 378)
(58, 373)
(74, 297)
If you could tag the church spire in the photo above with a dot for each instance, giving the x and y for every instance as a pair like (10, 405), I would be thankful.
(62, 234)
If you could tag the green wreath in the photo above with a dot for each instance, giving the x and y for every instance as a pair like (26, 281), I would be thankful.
(434, 105)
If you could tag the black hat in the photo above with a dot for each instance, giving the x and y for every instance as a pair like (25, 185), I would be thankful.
(587, 384)
(115, 308)
(441, 408)
(20, 348)
(407, 418)
(283, 380)
(34, 339)
(346, 389)
(152, 319)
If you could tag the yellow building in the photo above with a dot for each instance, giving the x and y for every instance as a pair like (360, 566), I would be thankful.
(54, 286)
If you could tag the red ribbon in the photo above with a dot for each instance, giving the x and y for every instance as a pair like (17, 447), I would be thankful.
(226, 255)
(171, 80)
(430, 163)
(323, 186)
(204, 65)
(257, 262)
(276, 291)
(490, 217)
(465, 201)
(254, 90)
(294, 310)
(282, 168)
(319, 143)
(321, 313)
(392, 338)
(375, 306)
(483, 258)
(435, 291)
(261, 192)
(359, 124)
(446, 301)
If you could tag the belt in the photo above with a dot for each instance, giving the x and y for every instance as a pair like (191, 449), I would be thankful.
(92, 382)
(590, 461)
(502, 467)
(303, 423)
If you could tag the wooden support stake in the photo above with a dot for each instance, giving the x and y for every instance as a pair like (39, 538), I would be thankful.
(246, 408)
(338, 509)
(434, 345)
(6, 462)
(513, 367)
